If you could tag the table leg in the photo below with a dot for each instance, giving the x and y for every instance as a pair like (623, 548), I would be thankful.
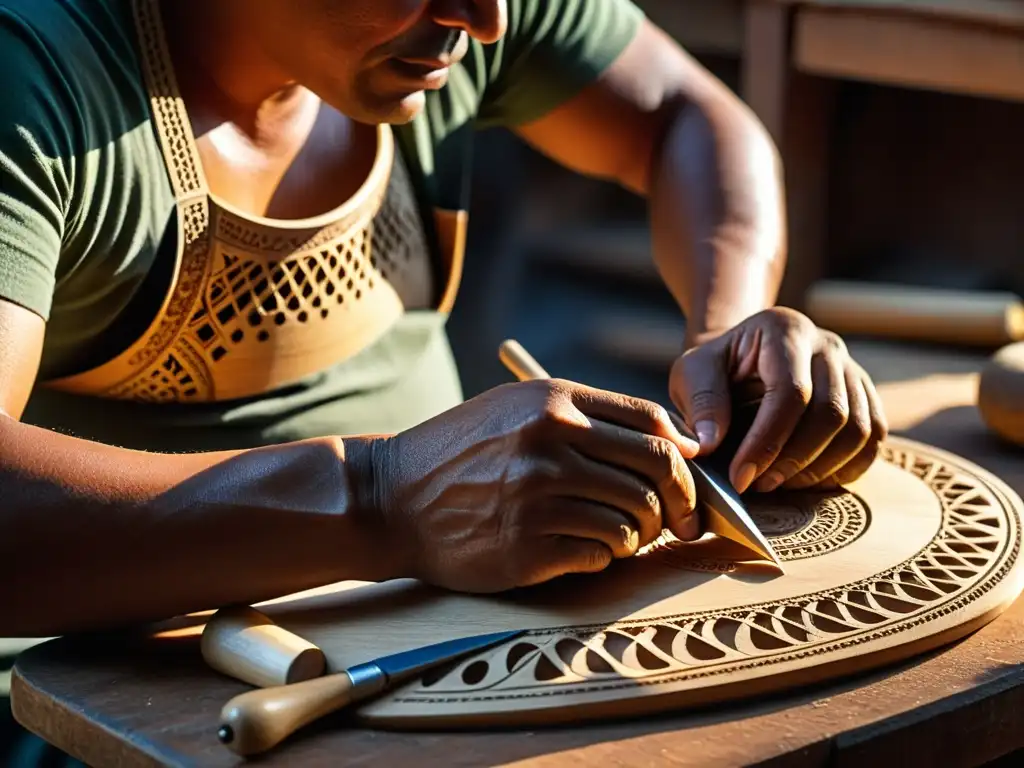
(797, 110)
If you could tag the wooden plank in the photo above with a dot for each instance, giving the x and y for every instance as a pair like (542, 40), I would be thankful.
(912, 51)
(1008, 13)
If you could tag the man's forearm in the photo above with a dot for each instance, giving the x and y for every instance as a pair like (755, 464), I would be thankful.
(717, 215)
(96, 536)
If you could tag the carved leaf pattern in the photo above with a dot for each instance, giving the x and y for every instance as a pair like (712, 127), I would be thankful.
(950, 571)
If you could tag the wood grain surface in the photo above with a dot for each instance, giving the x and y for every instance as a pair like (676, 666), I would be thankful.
(920, 551)
(133, 701)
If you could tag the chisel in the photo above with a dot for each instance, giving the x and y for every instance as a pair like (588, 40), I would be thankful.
(258, 720)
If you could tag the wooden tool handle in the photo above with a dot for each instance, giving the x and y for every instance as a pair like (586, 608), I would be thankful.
(525, 368)
(520, 362)
(245, 644)
(913, 313)
(259, 720)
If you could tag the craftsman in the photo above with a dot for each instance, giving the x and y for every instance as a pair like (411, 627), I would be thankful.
(231, 232)
(224, 372)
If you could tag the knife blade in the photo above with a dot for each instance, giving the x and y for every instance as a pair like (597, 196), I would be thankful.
(259, 720)
(728, 517)
(725, 514)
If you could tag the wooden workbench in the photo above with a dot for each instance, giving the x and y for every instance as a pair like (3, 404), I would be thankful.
(121, 702)
(796, 53)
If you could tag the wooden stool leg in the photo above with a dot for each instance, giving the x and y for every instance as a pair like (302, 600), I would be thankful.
(797, 110)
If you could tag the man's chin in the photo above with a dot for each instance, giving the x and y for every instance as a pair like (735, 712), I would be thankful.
(392, 110)
(407, 109)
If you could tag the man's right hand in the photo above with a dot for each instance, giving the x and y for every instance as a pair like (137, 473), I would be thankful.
(531, 481)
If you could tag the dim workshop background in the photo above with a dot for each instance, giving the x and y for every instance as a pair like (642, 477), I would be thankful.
(901, 124)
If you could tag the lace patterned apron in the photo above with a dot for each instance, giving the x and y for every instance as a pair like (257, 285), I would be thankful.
(255, 303)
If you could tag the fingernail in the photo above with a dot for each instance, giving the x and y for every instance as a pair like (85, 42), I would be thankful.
(745, 477)
(683, 434)
(770, 481)
(707, 432)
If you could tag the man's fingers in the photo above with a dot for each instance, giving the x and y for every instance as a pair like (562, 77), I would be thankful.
(592, 521)
(825, 417)
(633, 413)
(699, 387)
(860, 463)
(642, 475)
(556, 556)
(879, 422)
(879, 432)
(847, 444)
(785, 368)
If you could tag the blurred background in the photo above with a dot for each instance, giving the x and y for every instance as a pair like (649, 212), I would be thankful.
(902, 128)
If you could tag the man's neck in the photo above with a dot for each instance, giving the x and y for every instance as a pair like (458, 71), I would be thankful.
(224, 77)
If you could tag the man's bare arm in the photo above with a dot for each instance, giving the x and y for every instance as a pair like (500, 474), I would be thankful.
(661, 125)
(488, 496)
(93, 536)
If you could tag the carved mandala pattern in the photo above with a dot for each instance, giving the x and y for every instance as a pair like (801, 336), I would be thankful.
(835, 522)
(797, 529)
(976, 545)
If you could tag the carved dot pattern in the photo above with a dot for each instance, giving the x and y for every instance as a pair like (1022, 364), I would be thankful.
(835, 522)
(796, 530)
(963, 561)
(246, 299)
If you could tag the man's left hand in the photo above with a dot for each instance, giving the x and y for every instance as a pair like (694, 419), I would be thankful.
(820, 421)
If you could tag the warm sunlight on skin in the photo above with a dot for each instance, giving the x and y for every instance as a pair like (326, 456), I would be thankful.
(372, 60)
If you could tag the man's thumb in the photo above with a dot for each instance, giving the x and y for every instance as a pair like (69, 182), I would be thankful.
(699, 387)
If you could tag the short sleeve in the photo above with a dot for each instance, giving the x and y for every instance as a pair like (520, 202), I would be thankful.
(35, 155)
(552, 50)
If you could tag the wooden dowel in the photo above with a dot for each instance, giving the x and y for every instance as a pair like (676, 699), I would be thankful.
(245, 644)
(911, 313)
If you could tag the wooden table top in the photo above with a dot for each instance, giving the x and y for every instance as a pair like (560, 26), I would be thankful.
(133, 702)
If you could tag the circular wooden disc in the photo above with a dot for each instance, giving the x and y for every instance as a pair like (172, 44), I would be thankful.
(919, 552)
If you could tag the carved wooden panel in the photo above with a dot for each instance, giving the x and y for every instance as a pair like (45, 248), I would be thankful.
(920, 551)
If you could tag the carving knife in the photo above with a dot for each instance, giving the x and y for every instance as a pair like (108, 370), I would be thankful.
(259, 720)
(726, 516)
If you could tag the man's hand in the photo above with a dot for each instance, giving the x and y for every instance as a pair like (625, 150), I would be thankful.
(531, 481)
(820, 420)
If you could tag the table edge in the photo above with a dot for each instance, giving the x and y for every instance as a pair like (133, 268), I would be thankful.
(104, 746)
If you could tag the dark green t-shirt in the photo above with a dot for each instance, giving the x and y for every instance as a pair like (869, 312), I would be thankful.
(86, 212)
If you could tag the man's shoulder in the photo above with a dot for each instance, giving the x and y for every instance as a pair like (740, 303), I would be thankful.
(529, 20)
(71, 67)
(64, 26)
(86, 46)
